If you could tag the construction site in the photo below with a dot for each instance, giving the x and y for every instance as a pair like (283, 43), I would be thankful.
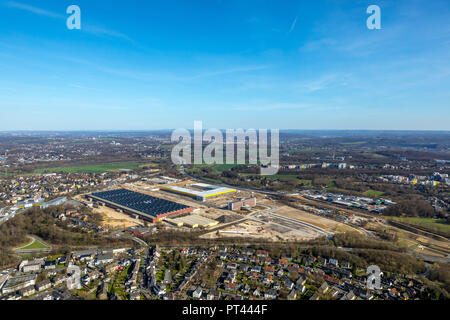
(220, 211)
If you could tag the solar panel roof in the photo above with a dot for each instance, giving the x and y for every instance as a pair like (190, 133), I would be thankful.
(140, 202)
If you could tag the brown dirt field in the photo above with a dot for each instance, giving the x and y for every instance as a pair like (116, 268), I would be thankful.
(116, 220)
(327, 224)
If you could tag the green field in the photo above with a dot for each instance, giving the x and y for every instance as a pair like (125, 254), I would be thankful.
(373, 193)
(281, 176)
(34, 245)
(96, 168)
(438, 226)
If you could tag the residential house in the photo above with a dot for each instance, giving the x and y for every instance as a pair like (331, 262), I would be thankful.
(33, 266)
(262, 253)
(230, 286)
(269, 269)
(213, 295)
(333, 262)
(84, 255)
(270, 294)
(300, 288)
(135, 295)
(43, 285)
(27, 291)
(323, 288)
(349, 296)
(62, 259)
(288, 284)
(197, 294)
(112, 268)
(59, 279)
(17, 283)
(256, 269)
(346, 265)
(50, 265)
(292, 295)
(300, 281)
(283, 262)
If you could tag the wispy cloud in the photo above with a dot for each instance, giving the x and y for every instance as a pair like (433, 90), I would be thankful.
(35, 10)
(324, 82)
(162, 76)
(293, 25)
(99, 31)
(227, 71)
(275, 106)
(92, 29)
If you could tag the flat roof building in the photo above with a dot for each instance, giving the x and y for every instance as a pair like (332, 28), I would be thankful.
(19, 282)
(144, 206)
(193, 221)
(199, 191)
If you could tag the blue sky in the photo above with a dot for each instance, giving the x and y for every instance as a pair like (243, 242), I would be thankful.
(142, 65)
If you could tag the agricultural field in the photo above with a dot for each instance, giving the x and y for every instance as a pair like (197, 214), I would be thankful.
(96, 168)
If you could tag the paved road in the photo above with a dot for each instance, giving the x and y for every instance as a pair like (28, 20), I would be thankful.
(139, 241)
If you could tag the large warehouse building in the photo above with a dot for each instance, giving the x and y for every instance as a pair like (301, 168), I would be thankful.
(199, 191)
(193, 221)
(144, 206)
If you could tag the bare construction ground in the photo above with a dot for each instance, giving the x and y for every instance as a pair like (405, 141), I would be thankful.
(258, 229)
(116, 220)
(321, 222)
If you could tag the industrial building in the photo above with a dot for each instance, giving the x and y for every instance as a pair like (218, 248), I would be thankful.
(193, 221)
(138, 204)
(237, 205)
(199, 191)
